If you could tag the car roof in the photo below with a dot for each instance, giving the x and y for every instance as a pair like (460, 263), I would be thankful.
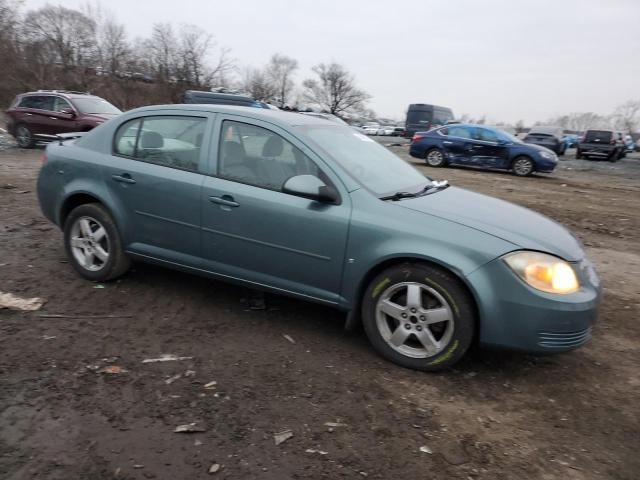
(62, 93)
(266, 114)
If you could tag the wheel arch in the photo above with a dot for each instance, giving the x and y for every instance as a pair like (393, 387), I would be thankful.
(354, 316)
(75, 200)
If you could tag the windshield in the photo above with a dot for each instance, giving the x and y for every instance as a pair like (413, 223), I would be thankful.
(371, 164)
(95, 105)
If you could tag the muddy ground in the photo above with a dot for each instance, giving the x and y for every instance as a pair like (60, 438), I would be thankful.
(496, 416)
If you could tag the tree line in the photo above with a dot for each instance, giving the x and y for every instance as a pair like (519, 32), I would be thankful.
(88, 50)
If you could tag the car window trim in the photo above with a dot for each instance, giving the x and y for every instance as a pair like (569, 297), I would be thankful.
(135, 148)
(215, 172)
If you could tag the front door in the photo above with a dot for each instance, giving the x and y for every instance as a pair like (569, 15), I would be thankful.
(155, 174)
(488, 151)
(253, 231)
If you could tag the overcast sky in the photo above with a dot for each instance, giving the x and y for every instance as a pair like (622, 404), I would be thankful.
(507, 59)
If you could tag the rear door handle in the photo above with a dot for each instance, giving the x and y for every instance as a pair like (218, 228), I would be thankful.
(53, 118)
(124, 178)
(226, 200)
(447, 142)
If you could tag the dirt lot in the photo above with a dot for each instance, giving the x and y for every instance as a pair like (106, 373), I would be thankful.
(497, 416)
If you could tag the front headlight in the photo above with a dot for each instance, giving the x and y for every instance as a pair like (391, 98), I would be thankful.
(543, 272)
(548, 155)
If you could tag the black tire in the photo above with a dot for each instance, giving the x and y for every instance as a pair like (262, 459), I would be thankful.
(562, 150)
(435, 158)
(117, 262)
(579, 156)
(24, 136)
(448, 287)
(614, 157)
(522, 166)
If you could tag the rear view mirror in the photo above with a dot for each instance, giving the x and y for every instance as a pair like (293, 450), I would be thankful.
(311, 187)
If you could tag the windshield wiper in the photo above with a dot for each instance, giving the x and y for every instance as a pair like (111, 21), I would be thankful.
(432, 187)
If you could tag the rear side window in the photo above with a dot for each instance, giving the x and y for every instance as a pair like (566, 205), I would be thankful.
(39, 102)
(602, 136)
(460, 132)
(171, 141)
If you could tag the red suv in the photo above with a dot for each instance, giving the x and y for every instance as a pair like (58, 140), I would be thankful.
(40, 115)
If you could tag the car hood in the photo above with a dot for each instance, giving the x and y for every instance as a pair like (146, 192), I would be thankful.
(518, 225)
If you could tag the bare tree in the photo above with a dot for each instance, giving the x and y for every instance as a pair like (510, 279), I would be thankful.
(334, 90)
(258, 84)
(162, 48)
(280, 70)
(627, 115)
(68, 35)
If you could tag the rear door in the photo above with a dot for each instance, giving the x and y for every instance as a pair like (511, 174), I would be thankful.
(36, 113)
(253, 231)
(155, 174)
(458, 143)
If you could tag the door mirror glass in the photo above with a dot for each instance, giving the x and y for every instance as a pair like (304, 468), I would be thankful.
(311, 187)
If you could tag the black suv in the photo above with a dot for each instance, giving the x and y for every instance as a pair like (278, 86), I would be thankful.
(607, 144)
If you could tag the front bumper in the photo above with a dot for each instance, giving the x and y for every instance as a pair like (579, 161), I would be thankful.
(518, 317)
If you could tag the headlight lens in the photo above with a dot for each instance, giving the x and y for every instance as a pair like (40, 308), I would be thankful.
(548, 155)
(543, 272)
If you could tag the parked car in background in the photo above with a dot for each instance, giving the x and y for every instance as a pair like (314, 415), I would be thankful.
(398, 132)
(422, 117)
(387, 130)
(39, 116)
(571, 140)
(300, 206)
(481, 146)
(326, 116)
(372, 129)
(629, 144)
(549, 137)
(607, 144)
(202, 97)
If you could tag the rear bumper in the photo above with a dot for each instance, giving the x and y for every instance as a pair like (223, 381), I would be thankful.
(596, 150)
(518, 317)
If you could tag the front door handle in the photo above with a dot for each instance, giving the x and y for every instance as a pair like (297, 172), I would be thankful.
(226, 200)
(447, 142)
(124, 178)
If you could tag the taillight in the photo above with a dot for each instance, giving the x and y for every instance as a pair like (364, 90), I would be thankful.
(416, 137)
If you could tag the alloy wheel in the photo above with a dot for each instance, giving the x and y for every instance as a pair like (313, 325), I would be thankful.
(523, 166)
(435, 158)
(414, 319)
(23, 136)
(90, 243)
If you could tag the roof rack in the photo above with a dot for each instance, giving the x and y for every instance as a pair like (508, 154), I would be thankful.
(65, 91)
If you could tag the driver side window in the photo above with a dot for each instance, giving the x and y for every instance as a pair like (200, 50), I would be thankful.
(257, 156)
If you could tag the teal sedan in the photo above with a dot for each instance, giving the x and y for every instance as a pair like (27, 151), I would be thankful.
(296, 205)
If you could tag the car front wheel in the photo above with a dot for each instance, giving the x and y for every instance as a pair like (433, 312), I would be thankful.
(418, 316)
(93, 244)
(522, 166)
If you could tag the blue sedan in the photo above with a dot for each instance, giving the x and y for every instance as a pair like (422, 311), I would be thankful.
(304, 207)
(481, 146)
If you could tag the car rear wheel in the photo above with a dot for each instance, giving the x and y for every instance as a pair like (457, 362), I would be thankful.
(522, 166)
(435, 158)
(93, 244)
(24, 137)
(579, 155)
(418, 316)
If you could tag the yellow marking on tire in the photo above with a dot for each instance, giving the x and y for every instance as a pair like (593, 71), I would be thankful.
(378, 288)
(446, 355)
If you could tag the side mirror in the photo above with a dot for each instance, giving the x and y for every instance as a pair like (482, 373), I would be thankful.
(311, 187)
(69, 111)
